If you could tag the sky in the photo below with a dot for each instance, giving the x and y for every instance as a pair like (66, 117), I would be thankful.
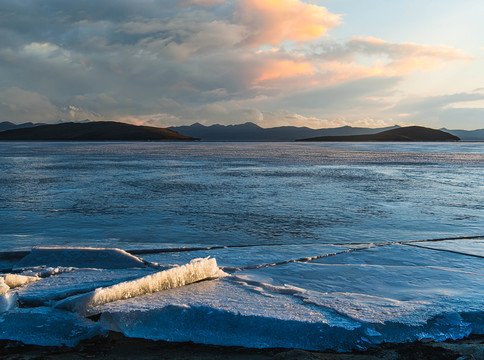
(325, 63)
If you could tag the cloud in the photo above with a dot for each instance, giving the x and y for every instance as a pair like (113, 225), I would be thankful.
(284, 69)
(275, 21)
(26, 106)
(443, 110)
(199, 60)
(368, 56)
(204, 2)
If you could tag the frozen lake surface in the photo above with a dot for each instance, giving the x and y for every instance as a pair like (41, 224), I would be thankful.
(319, 245)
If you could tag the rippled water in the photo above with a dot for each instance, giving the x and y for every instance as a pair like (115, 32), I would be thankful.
(135, 195)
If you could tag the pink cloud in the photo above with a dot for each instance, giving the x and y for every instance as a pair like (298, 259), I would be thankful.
(275, 21)
(283, 68)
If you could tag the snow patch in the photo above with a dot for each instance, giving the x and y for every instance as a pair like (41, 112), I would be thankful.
(45, 271)
(15, 280)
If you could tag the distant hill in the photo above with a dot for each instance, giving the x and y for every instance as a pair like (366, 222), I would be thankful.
(93, 131)
(7, 125)
(252, 132)
(467, 134)
(410, 133)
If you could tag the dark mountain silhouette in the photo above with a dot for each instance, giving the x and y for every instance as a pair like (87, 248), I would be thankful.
(95, 131)
(7, 125)
(467, 134)
(410, 133)
(252, 132)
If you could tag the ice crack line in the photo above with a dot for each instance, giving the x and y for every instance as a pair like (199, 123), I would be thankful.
(300, 260)
(446, 250)
(216, 247)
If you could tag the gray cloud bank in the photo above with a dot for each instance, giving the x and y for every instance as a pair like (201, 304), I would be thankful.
(212, 61)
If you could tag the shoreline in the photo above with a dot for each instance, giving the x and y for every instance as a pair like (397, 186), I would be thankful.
(118, 346)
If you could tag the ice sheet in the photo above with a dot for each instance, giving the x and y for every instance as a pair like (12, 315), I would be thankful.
(224, 313)
(80, 257)
(247, 256)
(196, 270)
(46, 326)
(336, 297)
(472, 247)
(75, 282)
(391, 283)
(409, 256)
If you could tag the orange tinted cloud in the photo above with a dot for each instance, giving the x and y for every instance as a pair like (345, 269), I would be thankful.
(274, 21)
(277, 69)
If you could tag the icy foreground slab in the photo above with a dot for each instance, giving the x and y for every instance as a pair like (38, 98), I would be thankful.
(393, 283)
(225, 313)
(80, 257)
(196, 270)
(46, 326)
(345, 301)
(222, 312)
(310, 297)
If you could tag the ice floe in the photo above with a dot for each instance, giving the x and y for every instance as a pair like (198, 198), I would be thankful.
(196, 270)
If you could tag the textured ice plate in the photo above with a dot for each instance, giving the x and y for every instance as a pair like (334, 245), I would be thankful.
(46, 326)
(223, 313)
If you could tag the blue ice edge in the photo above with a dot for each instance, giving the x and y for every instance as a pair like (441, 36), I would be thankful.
(218, 327)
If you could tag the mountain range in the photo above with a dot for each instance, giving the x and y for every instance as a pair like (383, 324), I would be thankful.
(252, 132)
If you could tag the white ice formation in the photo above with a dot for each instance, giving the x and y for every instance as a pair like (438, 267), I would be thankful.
(196, 270)
(3, 287)
(16, 280)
